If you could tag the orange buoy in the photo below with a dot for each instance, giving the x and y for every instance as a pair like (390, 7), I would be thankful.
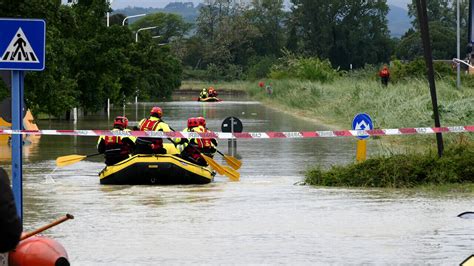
(39, 250)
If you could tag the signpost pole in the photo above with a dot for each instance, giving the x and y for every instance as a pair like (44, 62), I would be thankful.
(17, 114)
(22, 48)
(230, 145)
(361, 150)
(362, 121)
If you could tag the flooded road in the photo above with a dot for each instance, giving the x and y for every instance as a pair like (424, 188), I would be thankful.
(266, 218)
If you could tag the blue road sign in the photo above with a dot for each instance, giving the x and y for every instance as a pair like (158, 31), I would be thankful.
(362, 121)
(22, 44)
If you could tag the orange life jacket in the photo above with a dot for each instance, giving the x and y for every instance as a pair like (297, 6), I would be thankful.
(151, 125)
(112, 140)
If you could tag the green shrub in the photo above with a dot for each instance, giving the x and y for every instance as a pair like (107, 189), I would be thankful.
(303, 68)
(402, 170)
(368, 72)
(400, 71)
(260, 67)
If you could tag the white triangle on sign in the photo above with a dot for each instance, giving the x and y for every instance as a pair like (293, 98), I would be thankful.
(19, 50)
(362, 126)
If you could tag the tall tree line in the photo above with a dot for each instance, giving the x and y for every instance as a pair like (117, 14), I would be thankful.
(236, 37)
(88, 62)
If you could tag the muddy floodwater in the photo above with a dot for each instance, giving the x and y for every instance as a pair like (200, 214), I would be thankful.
(266, 218)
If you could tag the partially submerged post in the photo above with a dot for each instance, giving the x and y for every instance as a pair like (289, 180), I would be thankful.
(425, 37)
(233, 125)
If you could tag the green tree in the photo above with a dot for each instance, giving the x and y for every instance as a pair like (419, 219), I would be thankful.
(442, 17)
(343, 31)
(53, 90)
(443, 43)
(227, 35)
(268, 17)
(87, 62)
(442, 11)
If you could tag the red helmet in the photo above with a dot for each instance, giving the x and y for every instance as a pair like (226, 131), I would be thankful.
(201, 121)
(156, 111)
(121, 121)
(192, 122)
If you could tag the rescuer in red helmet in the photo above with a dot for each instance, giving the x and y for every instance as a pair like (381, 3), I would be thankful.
(187, 152)
(205, 145)
(212, 92)
(153, 123)
(193, 149)
(116, 148)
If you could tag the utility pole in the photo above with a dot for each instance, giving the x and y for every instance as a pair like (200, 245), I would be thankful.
(470, 35)
(458, 40)
(425, 37)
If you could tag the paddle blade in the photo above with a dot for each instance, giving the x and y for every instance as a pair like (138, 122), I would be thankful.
(214, 164)
(231, 173)
(69, 159)
(233, 162)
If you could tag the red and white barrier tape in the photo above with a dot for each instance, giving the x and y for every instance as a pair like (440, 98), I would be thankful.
(248, 135)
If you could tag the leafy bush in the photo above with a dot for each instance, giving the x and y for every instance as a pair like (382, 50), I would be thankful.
(417, 68)
(260, 67)
(402, 170)
(304, 68)
(368, 72)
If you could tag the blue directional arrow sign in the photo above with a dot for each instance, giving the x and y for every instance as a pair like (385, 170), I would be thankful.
(22, 44)
(362, 121)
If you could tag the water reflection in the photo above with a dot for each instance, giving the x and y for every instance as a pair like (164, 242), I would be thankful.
(30, 147)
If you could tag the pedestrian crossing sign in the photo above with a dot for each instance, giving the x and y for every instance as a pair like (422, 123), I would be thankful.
(22, 44)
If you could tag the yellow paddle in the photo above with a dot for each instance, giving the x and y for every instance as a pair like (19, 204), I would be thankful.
(71, 159)
(222, 170)
(231, 160)
(219, 169)
(231, 173)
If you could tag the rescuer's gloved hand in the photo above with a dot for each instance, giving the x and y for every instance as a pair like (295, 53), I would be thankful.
(181, 147)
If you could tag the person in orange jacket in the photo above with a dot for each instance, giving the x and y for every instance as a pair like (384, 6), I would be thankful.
(384, 75)
(116, 148)
(147, 145)
(207, 149)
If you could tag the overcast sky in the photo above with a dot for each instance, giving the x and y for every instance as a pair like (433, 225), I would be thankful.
(117, 4)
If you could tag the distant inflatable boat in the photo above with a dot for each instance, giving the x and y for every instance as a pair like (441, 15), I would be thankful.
(209, 99)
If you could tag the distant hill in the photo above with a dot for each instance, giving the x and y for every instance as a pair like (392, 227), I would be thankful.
(398, 20)
(187, 10)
